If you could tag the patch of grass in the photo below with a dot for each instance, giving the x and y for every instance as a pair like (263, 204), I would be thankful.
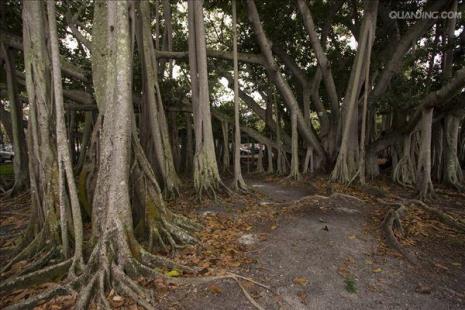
(6, 169)
(351, 285)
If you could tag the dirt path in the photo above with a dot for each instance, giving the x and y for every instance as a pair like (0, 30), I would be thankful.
(325, 256)
(320, 253)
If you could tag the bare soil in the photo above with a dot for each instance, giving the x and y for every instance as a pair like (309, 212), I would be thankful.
(312, 252)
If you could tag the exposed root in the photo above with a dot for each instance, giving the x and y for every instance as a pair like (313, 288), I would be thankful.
(392, 221)
(441, 216)
(40, 298)
(85, 293)
(247, 295)
(41, 262)
(37, 277)
(38, 243)
(346, 196)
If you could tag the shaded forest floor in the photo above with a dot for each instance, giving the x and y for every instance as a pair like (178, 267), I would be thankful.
(313, 247)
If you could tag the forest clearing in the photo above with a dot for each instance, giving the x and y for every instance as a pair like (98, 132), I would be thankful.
(239, 154)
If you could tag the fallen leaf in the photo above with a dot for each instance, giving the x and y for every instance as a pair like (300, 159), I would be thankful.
(117, 301)
(173, 273)
(377, 270)
(117, 298)
(301, 281)
(352, 237)
(441, 266)
(423, 289)
(215, 289)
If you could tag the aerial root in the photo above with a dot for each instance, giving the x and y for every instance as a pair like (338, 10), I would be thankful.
(36, 277)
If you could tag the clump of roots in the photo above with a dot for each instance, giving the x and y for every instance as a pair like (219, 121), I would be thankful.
(392, 221)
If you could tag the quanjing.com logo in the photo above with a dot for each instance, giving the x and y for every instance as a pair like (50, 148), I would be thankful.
(424, 15)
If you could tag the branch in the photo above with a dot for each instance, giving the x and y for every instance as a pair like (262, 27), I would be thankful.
(323, 61)
(244, 57)
(407, 40)
(69, 69)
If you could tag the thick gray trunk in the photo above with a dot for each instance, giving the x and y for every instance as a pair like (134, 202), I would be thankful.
(347, 161)
(423, 182)
(206, 176)
(452, 172)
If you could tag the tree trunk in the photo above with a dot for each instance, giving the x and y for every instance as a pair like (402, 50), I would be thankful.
(206, 176)
(157, 121)
(307, 132)
(361, 166)
(269, 151)
(238, 182)
(20, 161)
(452, 172)
(226, 158)
(404, 171)
(43, 231)
(189, 144)
(347, 161)
(64, 157)
(323, 61)
(260, 168)
(423, 182)
(295, 173)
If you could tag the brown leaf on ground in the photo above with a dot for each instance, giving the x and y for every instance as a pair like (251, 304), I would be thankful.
(214, 289)
(300, 281)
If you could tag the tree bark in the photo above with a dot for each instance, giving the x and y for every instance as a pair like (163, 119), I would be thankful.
(238, 182)
(64, 157)
(157, 121)
(20, 161)
(226, 158)
(206, 176)
(273, 72)
(295, 173)
(452, 172)
(347, 161)
(423, 181)
(323, 61)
